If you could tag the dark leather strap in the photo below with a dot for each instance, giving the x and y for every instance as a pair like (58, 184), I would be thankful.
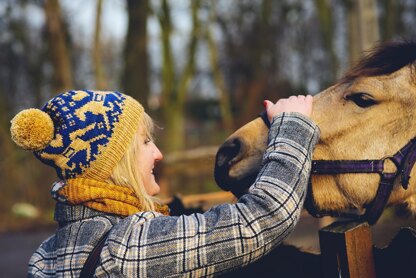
(263, 116)
(409, 161)
(376, 207)
(93, 259)
(331, 167)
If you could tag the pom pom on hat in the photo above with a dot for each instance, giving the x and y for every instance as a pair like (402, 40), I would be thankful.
(32, 129)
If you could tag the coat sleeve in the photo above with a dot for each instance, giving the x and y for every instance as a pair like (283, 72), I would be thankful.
(227, 236)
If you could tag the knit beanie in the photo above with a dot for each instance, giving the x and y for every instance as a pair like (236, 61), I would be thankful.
(79, 133)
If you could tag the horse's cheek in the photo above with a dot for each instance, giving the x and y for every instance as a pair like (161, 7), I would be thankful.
(326, 193)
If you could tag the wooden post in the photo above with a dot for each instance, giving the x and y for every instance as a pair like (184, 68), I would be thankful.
(347, 250)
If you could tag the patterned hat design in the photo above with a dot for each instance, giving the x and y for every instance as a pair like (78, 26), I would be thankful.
(79, 133)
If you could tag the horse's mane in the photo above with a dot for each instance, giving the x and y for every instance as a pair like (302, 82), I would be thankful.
(384, 59)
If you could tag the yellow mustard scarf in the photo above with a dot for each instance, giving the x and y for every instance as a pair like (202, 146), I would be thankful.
(101, 196)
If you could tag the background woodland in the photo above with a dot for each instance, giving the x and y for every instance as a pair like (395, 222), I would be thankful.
(201, 68)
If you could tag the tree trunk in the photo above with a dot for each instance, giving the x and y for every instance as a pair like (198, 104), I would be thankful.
(189, 70)
(135, 81)
(223, 97)
(174, 126)
(259, 82)
(391, 19)
(173, 91)
(100, 80)
(62, 76)
(323, 8)
(362, 27)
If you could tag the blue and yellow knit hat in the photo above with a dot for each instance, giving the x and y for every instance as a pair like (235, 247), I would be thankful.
(79, 133)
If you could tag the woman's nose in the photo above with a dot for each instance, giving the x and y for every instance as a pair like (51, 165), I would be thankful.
(157, 153)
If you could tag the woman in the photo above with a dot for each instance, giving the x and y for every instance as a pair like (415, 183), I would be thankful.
(100, 144)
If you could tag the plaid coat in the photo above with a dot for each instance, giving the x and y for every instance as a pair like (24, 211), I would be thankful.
(226, 237)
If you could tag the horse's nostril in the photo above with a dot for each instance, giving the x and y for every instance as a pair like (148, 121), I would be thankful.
(228, 151)
(228, 154)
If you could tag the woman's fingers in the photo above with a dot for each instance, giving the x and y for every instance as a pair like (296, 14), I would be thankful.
(300, 104)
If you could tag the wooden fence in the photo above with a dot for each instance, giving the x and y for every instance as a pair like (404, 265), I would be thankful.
(347, 250)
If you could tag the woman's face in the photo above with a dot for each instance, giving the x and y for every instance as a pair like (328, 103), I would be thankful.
(148, 155)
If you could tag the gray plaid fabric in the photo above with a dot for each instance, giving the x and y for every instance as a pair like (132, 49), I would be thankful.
(226, 237)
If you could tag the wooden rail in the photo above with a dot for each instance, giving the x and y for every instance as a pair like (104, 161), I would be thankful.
(347, 250)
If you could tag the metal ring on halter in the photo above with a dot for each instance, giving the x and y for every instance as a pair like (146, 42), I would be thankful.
(391, 158)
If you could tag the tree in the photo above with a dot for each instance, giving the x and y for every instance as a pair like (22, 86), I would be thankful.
(390, 21)
(363, 30)
(323, 8)
(251, 32)
(219, 80)
(175, 86)
(62, 76)
(100, 80)
(135, 78)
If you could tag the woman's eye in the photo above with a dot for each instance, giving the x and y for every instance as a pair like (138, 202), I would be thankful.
(362, 100)
(147, 140)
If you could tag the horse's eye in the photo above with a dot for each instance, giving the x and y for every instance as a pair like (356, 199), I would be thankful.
(362, 100)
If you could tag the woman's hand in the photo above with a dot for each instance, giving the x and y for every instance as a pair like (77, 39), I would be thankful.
(300, 104)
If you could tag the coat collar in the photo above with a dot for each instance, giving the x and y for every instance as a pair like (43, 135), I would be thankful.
(65, 214)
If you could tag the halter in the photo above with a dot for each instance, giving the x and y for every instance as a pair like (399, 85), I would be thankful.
(404, 161)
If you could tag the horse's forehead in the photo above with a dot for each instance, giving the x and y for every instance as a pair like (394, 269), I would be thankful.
(378, 86)
(402, 77)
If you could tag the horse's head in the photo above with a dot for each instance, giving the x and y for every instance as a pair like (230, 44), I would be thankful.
(369, 114)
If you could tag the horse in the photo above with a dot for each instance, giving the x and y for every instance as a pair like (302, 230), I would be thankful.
(367, 148)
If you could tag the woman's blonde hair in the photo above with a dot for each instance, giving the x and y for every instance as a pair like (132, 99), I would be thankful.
(126, 172)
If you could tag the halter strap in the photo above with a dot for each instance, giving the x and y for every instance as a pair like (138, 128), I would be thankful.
(347, 166)
(404, 161)
(263, 116)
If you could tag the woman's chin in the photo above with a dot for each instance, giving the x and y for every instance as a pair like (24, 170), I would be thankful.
(154, 189)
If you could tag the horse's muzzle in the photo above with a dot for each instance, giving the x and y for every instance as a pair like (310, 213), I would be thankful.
(225, 158)
(228, 155)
